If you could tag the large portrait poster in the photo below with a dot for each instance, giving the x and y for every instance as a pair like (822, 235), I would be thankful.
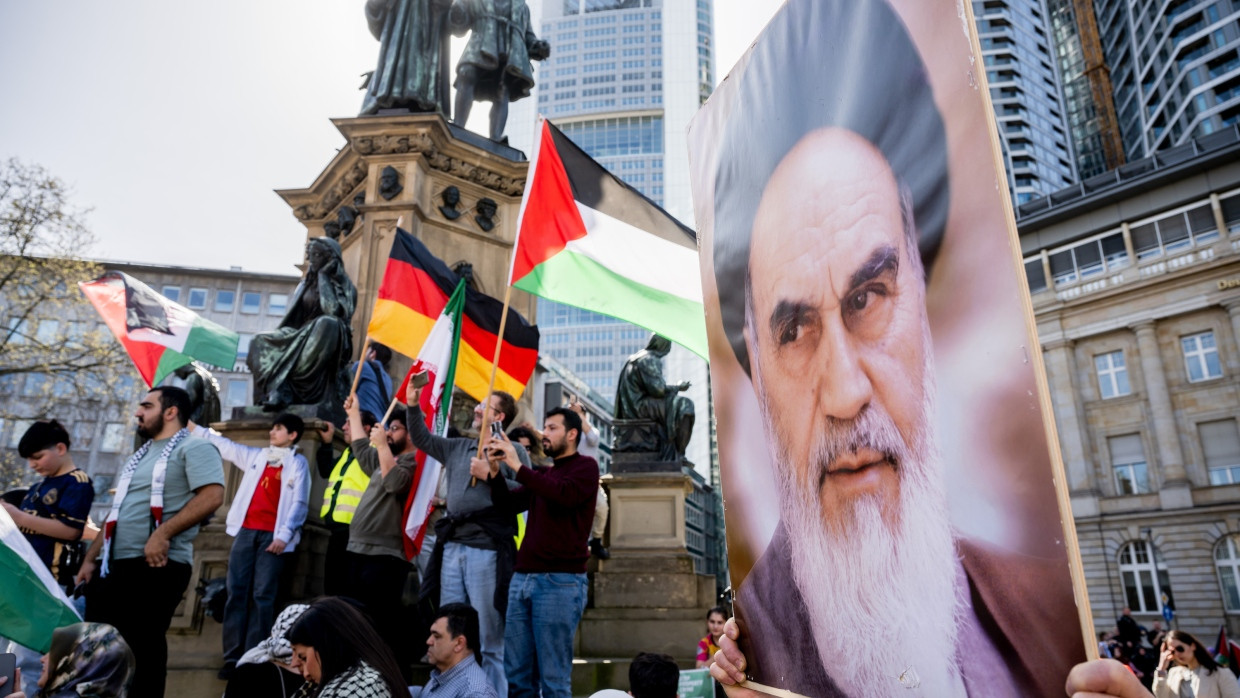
(895, 513)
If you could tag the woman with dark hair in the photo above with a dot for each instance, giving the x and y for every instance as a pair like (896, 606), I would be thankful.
(1187, 669)
(341, 656)
(527, 436)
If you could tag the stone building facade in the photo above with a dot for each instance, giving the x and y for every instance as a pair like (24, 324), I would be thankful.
(1135, 282)
(102, 427)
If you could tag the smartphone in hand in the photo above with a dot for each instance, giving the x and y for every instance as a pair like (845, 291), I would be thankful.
(8, 669)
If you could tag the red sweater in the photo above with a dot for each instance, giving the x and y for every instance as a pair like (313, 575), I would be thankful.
(561, 505)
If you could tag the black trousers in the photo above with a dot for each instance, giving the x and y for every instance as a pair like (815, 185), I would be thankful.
(336, 563)
(378, 582)
(139, 600)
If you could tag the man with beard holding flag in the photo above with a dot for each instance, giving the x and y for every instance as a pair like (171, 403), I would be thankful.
(139, 568)
(376, 559)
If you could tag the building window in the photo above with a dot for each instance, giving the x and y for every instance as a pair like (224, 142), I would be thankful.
(224, 301)
(251, 302)
(172, 293)
(48, 331)
(1132, 476)
(1201, 357)
(277, 303)
(34, 384)
(1112, 374)
(237, 393)
(1145, 577)
(197, 298)
(83, 435)
(243, 346)
(18, 330)
(1227, 564)
(1220, 443)
(19, 430)
(113, 437)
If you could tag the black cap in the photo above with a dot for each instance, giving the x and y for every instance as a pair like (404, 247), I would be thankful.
(825, 63)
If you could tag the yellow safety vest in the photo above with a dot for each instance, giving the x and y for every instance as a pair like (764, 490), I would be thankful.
(344, 490)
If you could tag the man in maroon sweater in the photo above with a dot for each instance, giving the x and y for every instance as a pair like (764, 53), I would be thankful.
(548, 591)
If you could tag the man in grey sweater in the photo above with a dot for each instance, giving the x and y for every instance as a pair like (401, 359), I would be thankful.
(474, 549)
(376, 555)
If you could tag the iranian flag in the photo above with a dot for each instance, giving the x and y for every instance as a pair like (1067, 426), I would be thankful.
(160, 335)
(587, 239)
(31, 604)
(438, 359)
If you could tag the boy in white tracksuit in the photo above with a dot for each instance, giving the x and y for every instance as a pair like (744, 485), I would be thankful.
(265, 519)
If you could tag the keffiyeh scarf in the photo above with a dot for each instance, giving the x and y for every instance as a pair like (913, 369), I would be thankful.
(122, 488)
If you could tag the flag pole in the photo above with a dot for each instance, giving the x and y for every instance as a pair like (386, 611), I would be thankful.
(361, 361)
(383, 422)
(484, 428)
(361, 358)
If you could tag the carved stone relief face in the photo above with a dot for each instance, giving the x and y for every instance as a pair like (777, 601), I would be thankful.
(485, 217)
(389, 183)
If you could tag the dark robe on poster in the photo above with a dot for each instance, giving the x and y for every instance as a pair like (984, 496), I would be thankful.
(1020, 601)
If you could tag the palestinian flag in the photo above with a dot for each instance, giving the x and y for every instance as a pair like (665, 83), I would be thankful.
(587, 239)
(438, 359)
(31, 604)
(1226, 652)
(160, 336)
(414, 291)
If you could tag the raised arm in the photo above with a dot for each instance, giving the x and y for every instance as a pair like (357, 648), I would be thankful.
(415, 421)
(233, 452)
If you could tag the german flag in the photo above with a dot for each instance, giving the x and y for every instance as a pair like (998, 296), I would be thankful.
(416, 287)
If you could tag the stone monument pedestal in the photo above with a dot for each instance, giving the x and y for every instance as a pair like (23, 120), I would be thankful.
(195, 651)
(647, 596)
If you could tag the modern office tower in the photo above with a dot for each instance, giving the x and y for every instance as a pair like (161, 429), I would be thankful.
(624, 79)
(1174, 67)
(1024, 87)
(1086, 78)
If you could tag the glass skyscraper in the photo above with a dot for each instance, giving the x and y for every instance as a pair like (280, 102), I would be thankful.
(624, 79)
(1024, 88)
(1086, 81)
(1174, 67)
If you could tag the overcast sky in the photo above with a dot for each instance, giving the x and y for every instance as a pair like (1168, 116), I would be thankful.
(174, 121)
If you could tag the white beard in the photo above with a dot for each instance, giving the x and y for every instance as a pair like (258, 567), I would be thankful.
(882, 603)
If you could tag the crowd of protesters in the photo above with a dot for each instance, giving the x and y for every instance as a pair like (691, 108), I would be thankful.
(498, 619)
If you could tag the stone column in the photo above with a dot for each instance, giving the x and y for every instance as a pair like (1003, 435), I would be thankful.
(1174, 492)
(647, 596)
(1216, 207)
(1060, 360)
(1233, 311)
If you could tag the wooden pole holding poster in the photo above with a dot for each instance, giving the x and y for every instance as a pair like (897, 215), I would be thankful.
(1034, 356)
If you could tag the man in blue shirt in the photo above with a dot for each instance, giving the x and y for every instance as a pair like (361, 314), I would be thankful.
(374, 389)
(454, 651)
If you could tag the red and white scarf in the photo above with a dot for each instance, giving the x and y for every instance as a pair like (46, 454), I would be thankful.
(122, 488)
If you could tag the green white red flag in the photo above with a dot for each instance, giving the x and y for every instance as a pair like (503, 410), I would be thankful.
(438, 358)
(31, 603)
(587, 239)
(160, 335)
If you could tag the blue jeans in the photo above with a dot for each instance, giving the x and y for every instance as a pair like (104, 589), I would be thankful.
(253, 578)
(467, 575)
(543, 612)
